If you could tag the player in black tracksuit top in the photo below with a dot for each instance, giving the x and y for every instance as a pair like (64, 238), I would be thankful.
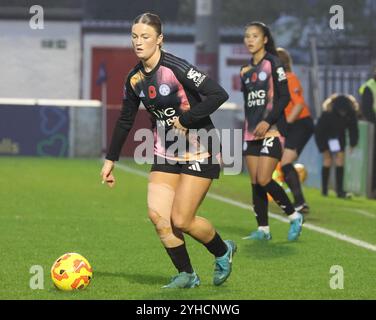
(170, 89)
(339, 116)
(266, 94)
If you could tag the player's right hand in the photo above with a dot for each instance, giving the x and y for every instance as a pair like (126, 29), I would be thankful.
(106, 173)
(261, 129)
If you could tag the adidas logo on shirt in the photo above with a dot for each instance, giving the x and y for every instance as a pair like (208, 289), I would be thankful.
(142, 95)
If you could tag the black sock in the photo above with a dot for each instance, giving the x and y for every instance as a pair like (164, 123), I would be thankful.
(339, 179)
(325, 171)
(292, 180)
(280, 197)
(180, 258)
(260, 205)
(216, 246)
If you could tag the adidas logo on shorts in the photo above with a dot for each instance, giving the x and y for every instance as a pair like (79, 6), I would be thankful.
(264, 150)
(195, 167)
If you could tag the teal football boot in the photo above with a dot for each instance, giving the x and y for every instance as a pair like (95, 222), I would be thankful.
(295, 228)
(223, 265)
(183, 280)
(259, 235)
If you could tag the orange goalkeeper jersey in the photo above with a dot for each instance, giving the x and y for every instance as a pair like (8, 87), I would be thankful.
(297, 97)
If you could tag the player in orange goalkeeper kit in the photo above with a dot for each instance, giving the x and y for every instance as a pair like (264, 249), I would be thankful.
(299, 131)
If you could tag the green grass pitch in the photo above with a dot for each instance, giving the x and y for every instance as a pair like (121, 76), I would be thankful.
(52, 206)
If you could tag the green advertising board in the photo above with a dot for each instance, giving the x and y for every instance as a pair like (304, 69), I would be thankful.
(358, 166)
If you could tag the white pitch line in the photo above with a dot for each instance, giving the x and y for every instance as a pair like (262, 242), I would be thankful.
(328, 232)
(361, 212)
(135, 171)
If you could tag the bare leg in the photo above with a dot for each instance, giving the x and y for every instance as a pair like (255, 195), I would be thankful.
(189, 195)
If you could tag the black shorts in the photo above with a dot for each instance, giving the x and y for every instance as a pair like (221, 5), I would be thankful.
(267, 147)
(323, 144)
(299, 133)
(206, 168)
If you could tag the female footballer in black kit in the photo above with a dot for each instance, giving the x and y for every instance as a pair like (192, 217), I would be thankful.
(339, 115)
(170, 89)
(266, 94)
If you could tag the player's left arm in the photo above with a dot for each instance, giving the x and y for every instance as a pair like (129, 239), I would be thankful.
(196, 81)
(281, 90)
(297, 98)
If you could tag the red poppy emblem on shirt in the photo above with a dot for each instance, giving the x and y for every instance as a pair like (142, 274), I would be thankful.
(254, 77)
(152, 92)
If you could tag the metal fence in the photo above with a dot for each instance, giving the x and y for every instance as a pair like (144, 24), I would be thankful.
(338, 79)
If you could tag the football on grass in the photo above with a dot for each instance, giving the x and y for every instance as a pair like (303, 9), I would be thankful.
(71, 271)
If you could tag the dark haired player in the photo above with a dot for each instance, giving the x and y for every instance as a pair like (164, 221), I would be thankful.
(339, 115)
(266, 94)
(170, 88)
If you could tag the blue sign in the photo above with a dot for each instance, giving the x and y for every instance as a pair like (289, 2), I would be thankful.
(34, 130)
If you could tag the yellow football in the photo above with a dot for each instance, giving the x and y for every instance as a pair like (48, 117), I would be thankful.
(71, 271)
